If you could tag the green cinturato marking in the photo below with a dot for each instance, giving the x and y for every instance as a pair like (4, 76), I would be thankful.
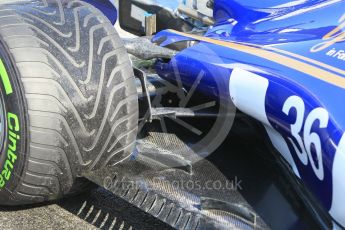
(13, 142)
(4, 78)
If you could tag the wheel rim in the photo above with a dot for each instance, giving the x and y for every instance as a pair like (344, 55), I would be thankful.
(2, 122)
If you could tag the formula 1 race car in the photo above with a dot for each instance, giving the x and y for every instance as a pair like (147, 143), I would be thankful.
(147, 115)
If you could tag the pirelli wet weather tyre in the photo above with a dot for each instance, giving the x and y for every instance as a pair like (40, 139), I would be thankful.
(68, 101)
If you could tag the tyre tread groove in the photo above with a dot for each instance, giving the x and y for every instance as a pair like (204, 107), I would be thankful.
(80, 92)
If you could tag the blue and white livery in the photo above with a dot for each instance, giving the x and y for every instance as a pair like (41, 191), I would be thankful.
(284, 63)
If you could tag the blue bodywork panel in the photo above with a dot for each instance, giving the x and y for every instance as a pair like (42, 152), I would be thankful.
(107, 7)
(282, 63)
(292, 54)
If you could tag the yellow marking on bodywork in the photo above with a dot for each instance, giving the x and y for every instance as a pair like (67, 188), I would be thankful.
(289, 62)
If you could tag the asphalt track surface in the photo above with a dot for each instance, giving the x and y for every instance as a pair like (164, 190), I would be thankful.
(97, 209)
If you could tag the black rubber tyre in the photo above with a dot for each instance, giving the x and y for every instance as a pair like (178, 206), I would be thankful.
(68, 98)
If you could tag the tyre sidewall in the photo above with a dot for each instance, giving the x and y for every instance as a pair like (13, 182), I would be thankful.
(12, 163)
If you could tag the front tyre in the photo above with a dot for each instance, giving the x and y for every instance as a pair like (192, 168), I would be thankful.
(68, 101)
